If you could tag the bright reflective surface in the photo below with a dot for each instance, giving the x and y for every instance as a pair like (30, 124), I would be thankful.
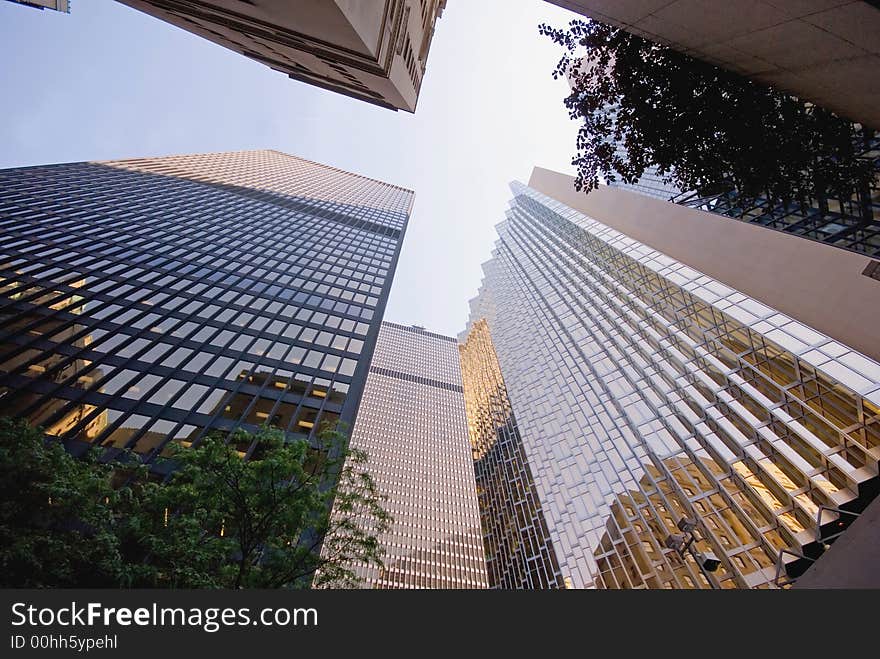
(645, 392)
(145, 301)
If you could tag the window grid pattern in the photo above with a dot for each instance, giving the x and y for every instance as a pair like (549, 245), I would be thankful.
(519, 552)
(415, 434)
(849, 222)
(151, 300)
(632, 375)
(650, 183)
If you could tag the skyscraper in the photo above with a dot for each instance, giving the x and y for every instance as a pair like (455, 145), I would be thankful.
(372, 50)
(848, 219)
(829, 289)
(413, 427)
(679, 433)
(850, 222)
(519, 552)
(154, 300)
(650, 183)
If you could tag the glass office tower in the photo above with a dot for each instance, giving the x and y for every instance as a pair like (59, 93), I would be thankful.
(154, 300)
(413, 427)
(850, 222)
(519, 552)
(650, 183)
(679, 433)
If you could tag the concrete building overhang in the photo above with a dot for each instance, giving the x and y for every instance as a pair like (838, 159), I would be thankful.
(825, 51)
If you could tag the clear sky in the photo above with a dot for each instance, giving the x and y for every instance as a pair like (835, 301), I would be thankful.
(107, 81)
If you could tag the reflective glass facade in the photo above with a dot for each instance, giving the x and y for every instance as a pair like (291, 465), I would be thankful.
(150, 300)
(651, 182)
(851, 222)
(647, 393)
(413, 427)
(519, 552)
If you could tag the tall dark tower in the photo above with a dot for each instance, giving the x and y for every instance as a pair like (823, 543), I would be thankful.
(153, 300)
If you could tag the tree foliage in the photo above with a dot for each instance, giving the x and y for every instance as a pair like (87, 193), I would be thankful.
(699, 124)
(55, 520)
(218, 522)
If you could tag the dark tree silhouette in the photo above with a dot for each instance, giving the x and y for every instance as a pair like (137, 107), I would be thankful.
(699, 124)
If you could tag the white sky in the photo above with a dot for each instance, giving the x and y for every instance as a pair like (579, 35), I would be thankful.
(109, 82)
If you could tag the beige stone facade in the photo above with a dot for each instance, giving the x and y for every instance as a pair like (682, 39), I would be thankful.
(372, 50)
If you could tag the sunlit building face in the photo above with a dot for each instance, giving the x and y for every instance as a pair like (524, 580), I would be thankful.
(666, 418)
(372, 50)
(413, 426)
(155, 300)
(519, 552)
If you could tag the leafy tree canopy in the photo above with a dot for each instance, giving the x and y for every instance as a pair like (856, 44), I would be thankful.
(218, 522)
(699, 124)
(55, 524)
